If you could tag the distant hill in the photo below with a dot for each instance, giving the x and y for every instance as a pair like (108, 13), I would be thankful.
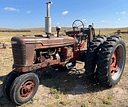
(43, 29)
(109, 30)
(38, 29)
(5, 29)
(102, 30)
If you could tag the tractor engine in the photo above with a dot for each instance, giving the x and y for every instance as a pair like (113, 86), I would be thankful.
(67, 52)
(38, 51)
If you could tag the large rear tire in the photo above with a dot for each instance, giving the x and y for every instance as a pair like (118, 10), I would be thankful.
(24, 88)
(111, 62)
(92, 56)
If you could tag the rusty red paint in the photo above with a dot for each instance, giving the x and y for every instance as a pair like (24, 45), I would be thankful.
(2, 48)
(67, 52)
(44, 69)
(81, 46)
(45, 64)
(114, 62)
(38, 51)
(54, 62)
(27, 89)
(28, 44)
(3, 45)
(59, 50)
(21, 69)
(39, 46)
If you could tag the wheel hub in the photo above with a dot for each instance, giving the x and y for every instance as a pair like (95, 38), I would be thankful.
(27, 88)
(114, 62)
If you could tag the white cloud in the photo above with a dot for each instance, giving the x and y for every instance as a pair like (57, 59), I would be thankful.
(119, 19)
(123, 12)
(58, 23)
(11, 9)
(28, 11)
(103, 21)
(65, 12)
(84, 20)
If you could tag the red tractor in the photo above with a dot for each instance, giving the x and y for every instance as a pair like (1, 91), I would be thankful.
(104, 58)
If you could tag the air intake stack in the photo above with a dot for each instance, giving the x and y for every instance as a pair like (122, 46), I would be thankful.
(48, 19)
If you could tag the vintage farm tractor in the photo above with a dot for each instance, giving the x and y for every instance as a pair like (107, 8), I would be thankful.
(104, 58)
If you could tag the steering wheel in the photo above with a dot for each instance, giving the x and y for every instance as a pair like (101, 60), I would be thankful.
(74, 25)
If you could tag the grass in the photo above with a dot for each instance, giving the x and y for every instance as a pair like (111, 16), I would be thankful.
(65, 102)
(110, 97)
(5, 40)
(6, 58)
(91, 102)
(57, 96)
(83, 105)
(107, 102)
(55, 91)
(23, 105)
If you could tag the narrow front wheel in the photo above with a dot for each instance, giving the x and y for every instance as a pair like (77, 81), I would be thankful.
(24, 88)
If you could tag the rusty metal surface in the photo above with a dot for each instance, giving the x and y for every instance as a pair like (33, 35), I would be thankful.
(40, 52)
(2, 46)
(72, 32)
(44, 64)
(46, 42)
(23, 47)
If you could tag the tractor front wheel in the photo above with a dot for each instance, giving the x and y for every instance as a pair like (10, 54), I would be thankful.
(24, 88)
(111, 62)
(7, 84)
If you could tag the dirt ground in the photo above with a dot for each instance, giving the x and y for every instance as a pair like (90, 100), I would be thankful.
(68, 89)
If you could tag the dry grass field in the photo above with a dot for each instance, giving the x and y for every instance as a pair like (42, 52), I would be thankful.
(66, 89)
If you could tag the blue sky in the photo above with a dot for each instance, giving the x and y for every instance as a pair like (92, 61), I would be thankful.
(31, 13)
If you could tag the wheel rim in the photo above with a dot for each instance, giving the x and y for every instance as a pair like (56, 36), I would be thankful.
(27, 89)
(117, 62)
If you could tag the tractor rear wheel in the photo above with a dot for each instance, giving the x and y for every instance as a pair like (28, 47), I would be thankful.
(24, 88)
(92, 56)
(7, 84)
(111, 62)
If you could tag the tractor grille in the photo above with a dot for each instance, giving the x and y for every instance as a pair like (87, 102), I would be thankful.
(19, 54)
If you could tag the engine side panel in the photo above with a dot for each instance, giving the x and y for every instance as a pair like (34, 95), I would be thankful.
(24, 47)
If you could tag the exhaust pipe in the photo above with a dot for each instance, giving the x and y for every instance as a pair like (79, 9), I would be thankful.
(48, 19)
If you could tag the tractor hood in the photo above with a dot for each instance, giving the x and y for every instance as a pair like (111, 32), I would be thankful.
(43, 42)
